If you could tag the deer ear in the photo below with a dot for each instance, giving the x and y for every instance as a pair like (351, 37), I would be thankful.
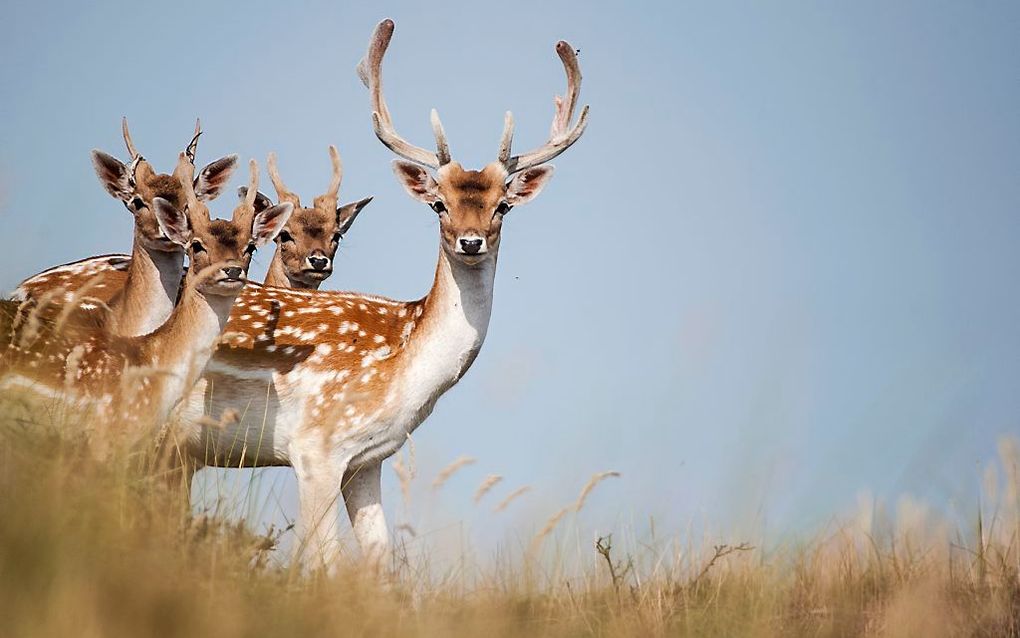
(211, 180)
(526, 185)
(262, 200)
(173, 222)
(269, 222)
(417, 181)
(113, 174)
(345, 214)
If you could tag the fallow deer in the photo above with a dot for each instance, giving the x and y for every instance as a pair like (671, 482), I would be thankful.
(136, 381)
(151, 275)
(332, 383)
(306, 247)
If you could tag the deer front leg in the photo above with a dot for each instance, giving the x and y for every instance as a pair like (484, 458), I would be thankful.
(363, 498)
(319, 479)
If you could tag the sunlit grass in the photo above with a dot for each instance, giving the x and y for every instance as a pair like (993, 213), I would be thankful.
(109, 548)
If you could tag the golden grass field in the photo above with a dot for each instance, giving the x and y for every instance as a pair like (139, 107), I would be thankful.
(108, 549)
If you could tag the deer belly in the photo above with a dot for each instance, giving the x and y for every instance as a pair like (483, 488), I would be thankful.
(231, 421)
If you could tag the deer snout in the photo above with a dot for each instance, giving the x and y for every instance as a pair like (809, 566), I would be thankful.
(318, 262)
(471, 245)
(232, 272)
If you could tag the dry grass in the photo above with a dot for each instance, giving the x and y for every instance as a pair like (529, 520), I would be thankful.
(108, 549)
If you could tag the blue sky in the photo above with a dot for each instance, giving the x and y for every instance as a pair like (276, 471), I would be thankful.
(779, 268)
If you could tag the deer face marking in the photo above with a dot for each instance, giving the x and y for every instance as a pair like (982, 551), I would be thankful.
(308, 243)
(471, 204)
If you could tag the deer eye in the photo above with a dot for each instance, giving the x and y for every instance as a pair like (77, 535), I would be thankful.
(337, 237)
(250, 248)
(503, 208)
(197, 247)
(284, 236)
(438, 206)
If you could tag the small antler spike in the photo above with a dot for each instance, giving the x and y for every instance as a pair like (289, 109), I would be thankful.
(193, 146)
(127, 139)
(253, 182)
(442, 147)
(508, 137)
(338, 173)
(282, 192)
(185, 173)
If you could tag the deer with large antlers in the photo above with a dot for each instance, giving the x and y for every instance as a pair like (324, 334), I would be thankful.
(306, 247)
(144, 298)
(332, 383)
(138, 380)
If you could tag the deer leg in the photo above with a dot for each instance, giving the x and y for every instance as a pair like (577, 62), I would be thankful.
(319, 478)
(363, 498)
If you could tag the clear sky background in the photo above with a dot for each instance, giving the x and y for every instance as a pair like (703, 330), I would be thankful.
(778, 270)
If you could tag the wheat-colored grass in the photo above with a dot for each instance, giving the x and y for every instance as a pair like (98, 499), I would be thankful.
(486, 486)
(94, 549)
(511, 497)
(451, 469)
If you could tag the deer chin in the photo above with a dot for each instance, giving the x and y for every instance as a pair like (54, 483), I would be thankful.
(225, 287)
(310, 276)
(471, 260)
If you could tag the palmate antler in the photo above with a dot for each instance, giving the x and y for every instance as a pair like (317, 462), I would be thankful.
(370, 71)
(561, 134)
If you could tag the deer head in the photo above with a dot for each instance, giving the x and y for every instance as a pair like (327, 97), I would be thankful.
(308, 243)
(472, 204)
(219, 250)
(137, 184)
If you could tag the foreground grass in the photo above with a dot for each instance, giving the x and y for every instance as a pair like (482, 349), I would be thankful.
(106, 549)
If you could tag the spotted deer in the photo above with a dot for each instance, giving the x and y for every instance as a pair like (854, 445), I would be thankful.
(130, 381)
(332, 383)
(142, 297)
(305, 248)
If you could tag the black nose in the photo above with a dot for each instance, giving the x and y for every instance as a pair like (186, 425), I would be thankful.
(471, 246)
(318, 263)
(232, 272)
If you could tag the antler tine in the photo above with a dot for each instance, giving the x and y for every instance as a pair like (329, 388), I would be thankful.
(560, 137)
(565, 110)
(253, 183)
(185, 173)
(127, 139)
(246, 209)
(508, 137)
(282, 192)
(338, 173)
(442, 146)
(370, 71)
(193, 146)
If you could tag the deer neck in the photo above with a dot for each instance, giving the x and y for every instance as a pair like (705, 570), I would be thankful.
(150, 290)
(451, 330)
(277, 276)
(181, 347)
